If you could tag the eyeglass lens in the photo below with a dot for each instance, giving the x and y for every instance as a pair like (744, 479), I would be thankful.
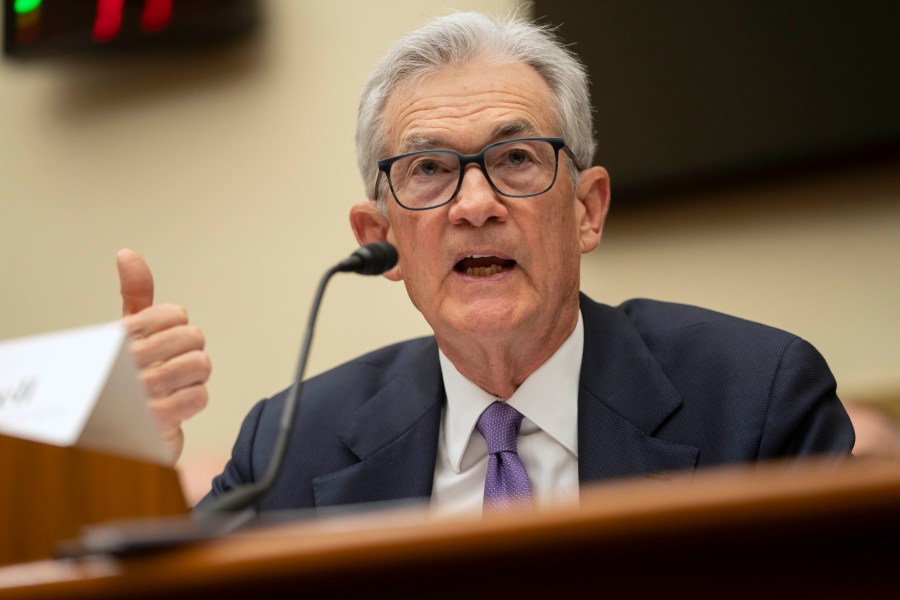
(516, 168)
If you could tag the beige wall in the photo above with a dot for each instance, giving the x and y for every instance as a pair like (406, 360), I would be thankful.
(232, 172)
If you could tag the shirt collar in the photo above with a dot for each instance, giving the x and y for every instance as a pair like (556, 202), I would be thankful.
(548, 398)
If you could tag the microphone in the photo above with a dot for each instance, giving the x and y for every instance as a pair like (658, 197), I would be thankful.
(371, 259)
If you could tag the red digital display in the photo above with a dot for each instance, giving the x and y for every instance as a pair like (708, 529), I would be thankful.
(155, 16)
(36, 28)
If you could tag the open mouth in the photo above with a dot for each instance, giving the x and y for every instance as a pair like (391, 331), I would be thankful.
(483, 266)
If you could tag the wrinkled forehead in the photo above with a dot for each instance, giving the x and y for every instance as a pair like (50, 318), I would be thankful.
(468, 106)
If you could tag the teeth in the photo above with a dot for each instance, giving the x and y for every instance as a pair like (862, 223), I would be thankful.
(484, 271)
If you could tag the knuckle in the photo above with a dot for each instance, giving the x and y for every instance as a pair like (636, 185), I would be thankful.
(186, 402)
(138, 349)
(177, 312)
(153, 382)
(166, 414)
(198, 336)
(198, 399)
(203, 363)
(134, 325)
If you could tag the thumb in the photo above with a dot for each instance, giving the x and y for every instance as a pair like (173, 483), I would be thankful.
(135, 282)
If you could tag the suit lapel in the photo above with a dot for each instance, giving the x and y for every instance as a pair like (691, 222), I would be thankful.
(624, 397)
(394, 434)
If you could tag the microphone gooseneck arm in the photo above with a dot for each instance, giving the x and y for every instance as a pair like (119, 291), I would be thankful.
(371, 259)
(245, 496)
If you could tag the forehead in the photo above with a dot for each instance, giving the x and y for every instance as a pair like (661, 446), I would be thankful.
(468, 106)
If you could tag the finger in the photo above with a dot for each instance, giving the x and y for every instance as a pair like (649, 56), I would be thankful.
(174, 441)
(135, 281)
(167, 344)
(170, 411)
(155, 319)
(180, 372)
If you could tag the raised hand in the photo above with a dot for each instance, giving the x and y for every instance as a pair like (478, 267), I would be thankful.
(169, 352)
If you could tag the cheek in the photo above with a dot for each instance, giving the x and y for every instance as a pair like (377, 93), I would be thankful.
(561, 247)
(560, 230)
(418, 240)
(418, 264)
(401, 234)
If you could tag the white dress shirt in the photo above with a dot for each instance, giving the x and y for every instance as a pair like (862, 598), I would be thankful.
(548, 439)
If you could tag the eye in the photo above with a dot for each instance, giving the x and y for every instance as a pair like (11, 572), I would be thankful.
(517, 156)
(426, 167)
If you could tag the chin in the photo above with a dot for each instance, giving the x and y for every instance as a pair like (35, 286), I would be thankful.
(488, 317)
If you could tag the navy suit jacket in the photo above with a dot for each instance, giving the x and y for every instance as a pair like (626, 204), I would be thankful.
(664, 387)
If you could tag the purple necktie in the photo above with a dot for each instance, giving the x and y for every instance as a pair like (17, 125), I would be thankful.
(506, 484)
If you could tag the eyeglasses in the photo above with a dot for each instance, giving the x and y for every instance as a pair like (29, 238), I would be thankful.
(518, 168)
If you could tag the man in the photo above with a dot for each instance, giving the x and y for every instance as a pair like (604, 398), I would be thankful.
(475, 144)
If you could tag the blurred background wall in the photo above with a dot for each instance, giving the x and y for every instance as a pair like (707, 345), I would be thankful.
(232, 172)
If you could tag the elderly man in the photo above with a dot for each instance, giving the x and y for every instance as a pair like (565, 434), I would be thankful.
(475, 143)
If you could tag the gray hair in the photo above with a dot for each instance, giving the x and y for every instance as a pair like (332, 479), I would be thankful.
(462, 37)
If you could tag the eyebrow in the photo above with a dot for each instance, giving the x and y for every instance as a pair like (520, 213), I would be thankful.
(511, 129)
(514, 128)
(420, 142)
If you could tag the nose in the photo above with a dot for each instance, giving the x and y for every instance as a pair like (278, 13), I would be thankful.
(477, 202)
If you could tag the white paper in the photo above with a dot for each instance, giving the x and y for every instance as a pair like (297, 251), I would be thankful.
(78, 387)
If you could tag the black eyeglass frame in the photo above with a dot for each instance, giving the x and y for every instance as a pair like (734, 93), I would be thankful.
(558, 143)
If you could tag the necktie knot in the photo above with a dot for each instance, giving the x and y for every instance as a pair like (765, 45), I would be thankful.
(499, 425)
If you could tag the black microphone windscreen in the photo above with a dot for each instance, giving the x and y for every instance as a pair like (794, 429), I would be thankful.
(372, 259)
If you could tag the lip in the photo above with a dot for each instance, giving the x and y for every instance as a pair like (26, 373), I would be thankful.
(480, 252)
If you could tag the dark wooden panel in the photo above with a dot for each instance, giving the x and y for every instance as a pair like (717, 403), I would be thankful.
(696, 92)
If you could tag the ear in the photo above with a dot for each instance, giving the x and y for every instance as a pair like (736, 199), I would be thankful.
(593, 194)
(371, 225)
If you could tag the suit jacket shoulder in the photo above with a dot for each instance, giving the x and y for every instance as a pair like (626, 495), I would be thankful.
(733, 389)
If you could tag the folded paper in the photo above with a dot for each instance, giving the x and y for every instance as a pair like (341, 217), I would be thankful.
(78, 387)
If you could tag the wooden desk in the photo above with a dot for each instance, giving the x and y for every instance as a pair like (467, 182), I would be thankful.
(773, 531)
(50, 492)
